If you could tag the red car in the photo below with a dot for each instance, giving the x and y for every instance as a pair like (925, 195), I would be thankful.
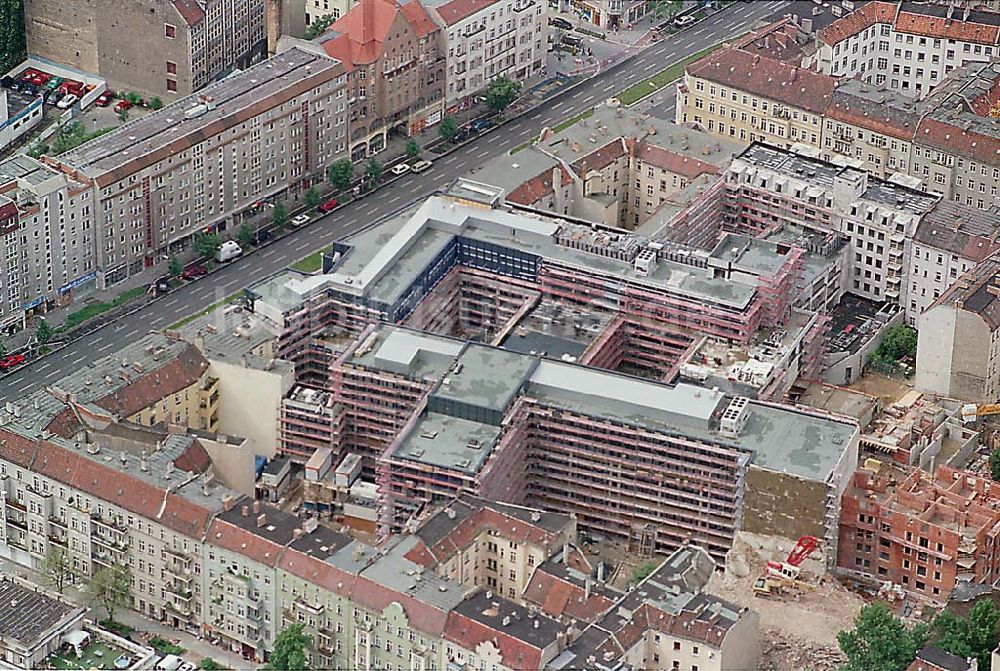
(105, 98)
(122, 105)
(328, 205)
(193, 272)
(11, 361)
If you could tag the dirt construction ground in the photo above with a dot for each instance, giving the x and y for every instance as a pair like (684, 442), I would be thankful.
(887, 389)
(800, 631)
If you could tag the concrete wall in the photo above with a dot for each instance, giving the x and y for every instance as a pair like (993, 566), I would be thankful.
(65, 32)
(779, 504)
(249, 402)
(233, 462)
(741, 646)
(842, 368)
(953, 352)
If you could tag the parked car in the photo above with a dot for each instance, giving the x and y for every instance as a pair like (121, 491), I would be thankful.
(572, 41)
(11, 361)
(53, 97)
(479, 125)
(193, 272)
(169, 663)
(105, 98)
(561, 23)
(53, 83)
(227, 251)
(122, 105)
(263, 235)
(300, 220)
(684, 21)
(328, 205)
(461, 136)
(187, 666)
(67, 101)
(420, 166)
(400, 169)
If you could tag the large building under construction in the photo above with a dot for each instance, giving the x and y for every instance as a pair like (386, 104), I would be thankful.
(463, 345)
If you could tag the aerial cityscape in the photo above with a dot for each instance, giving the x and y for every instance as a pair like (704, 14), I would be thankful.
(500, 335)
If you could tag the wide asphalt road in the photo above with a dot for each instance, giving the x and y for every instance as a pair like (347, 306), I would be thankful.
(191, 298)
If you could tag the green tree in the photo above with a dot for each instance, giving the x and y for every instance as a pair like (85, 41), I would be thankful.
(899, 342)
(319, 26)
(133, 98)
(245, 236)
(972, 636)
(209, 664)
(289, 653)
(206, 244)
(175, 267)
(155, 103)
(312, 197)
(3, 348)
(13, 43)
(880, 641)
(448, 129)
(44, 332)
(123, 115)
(57, 568)
(501, 92)
(373, 171)
(279, 217)
(109, 587)
(995, 464)
(340, 174)
(412, 148)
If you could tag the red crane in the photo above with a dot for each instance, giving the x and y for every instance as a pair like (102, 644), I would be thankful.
(802, 549)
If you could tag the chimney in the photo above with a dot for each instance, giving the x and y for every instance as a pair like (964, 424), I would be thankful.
(535, 622)
(297, 533)
(261, 520)
(245, 510)
(227, 503)
(586, 588)
(600, 571)
(256, 507)
(565, 552)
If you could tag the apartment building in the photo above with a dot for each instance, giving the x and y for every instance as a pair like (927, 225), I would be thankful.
(950, 240)
(203, 162)
(487, 39)
(908, 47)
(771, 186)
(610, 14)
(738, 93)
(924, 532)
(165, 48)
(48, 238)
(958, 343)
(393, 54)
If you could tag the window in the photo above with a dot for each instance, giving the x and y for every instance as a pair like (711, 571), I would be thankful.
(171, 85)
(171, 68)
(169, 31)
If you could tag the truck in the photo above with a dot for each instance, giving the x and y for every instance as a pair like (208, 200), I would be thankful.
(228, 251)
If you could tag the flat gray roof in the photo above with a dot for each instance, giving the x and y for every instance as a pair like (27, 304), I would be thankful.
(409, 353)
(395, 572)
(449, 442)
(29, 614)
(490, 377)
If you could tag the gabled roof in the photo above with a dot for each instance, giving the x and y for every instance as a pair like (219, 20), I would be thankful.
(190, 11)
(857, 21)
(977, 146)
(688, 166)
(456, 10)
(936, 659)
(880, 118)
(358, 36)
(539, 186)
(768, 78)
(944, 28)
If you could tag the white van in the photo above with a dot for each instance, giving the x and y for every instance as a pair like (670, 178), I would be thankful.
(169, 663)
(228, 251)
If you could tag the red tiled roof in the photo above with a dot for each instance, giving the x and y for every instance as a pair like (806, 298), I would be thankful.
(515, 653)
(601, 158)
(190, 11)
(361, 32)
(243, 542)
(486, 519)
(943, 28)
(417, 16)
(557, 597)
(145, 389)
(17, 449)
(768, 78)
(538, 187)
(986, 101)
(858, 20)
(887, 122)
(456, 10)
(983, 148)
(194, 459)
(319, 572)
(687, 166)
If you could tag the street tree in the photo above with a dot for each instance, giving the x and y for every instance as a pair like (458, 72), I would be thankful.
(245, 236)
(501, 92)
(57, 567)
(972, 636)
(312, 197)
(174, 266)
(155, 103)
(880, 641)
(279, 217)
(340, 174)
(412, 148)
(109, 587)
(206, 244)
(289, 653)
(448, 129)
(373, 171)
(44, 332)
(123, 115)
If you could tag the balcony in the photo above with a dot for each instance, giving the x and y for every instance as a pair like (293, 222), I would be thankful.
(14, 503)
(308, 607)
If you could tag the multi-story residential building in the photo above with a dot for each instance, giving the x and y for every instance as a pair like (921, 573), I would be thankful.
(487, 39)
(204, 161)
(738, 93)
(166, 48)
(924, 532)
(908, 47)
(317, 9)
(958, 347)
(771, 186)
(950, 240)
(35, 623)
(610, 14)
(48, 239)
(393, 54)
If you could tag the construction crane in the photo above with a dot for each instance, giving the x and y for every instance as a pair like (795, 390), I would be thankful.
(781, 575)
(995, 110)
(971, 411)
